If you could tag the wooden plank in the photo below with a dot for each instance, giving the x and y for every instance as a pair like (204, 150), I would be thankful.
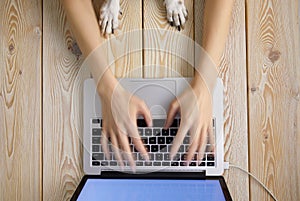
(20, 100)
(234, 75)
(160, 39)
(124, 48)
(274, 86)
(63, 81)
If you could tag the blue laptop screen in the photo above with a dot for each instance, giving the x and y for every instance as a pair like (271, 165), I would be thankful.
(143, 189)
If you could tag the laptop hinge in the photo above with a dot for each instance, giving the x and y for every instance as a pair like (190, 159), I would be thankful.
(154, 175)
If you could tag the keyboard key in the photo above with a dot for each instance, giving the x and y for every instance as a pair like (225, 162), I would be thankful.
(148, 132)
(158, 122)
(95, 163)
(145, 141)
(96, 140)
(139, 163)
(148, 163)
(181, 149)
(173, 131)
(156, 131)
(210, 163)
(154, 148)
(175, 164)
(166, 163)
(159, 156)
(98, 156)
(186, 140)
(152, 140)
(183, 163)
(147, 147)
(96, 121)
(169, 140)
(151, 156)
(193, 164)
(174, 123)
(210, 157)
(161, 140)
(165, 132)
(141, 131)
(166, 157)
(163, 148)
(113, 163)
(202, 164)
(104, 163)
(157, 163)
(95, 148)
(141, 123)
(96, 131)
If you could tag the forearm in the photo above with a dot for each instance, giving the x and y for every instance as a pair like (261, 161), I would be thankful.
(217, 18)
(83, 21)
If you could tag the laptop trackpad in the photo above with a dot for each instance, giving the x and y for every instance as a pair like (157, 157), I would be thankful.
(157, 94)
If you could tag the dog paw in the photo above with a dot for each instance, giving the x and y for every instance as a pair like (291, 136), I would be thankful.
(109, 16)
(176, 12)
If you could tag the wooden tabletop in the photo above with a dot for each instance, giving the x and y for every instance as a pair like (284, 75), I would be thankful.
(41, 92)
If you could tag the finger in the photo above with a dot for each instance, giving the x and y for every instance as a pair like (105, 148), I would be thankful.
(202, 143)
(109, 26)
(182, 18)
(182, 131)
(104, 24)
(127, 152)
(116, 149)
(138, 144)
(211, 138)
(143, 110)
(194, 142)
(176, 19)
(104, 143)
(192, 149)
(174, 107)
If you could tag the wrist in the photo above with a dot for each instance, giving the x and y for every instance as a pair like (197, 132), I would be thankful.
(106, 84)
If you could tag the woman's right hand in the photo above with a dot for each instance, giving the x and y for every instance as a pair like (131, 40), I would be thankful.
(120, 110)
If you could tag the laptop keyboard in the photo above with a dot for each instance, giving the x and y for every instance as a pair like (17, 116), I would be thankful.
(158, 143)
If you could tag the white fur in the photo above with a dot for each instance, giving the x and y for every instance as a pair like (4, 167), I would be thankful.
(176, 14)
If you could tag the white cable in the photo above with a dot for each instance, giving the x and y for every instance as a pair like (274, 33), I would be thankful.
(256, 179)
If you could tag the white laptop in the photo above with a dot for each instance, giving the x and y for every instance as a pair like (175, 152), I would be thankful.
(157, 94)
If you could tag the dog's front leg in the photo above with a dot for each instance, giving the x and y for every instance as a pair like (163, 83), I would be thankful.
(109, 16)
(176, 12)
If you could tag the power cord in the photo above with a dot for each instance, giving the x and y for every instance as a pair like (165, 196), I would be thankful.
(227, 166)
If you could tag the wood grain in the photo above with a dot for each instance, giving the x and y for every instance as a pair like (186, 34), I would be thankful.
(20, 100)
(63, 80)
(160, 39)
(233, 72)
(62, 106)
(274, 85)
(124, 48)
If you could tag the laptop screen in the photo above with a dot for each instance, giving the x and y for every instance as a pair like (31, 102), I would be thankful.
(151, 189)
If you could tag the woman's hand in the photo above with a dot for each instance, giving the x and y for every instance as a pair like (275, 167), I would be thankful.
(195, 108)
(119, 111)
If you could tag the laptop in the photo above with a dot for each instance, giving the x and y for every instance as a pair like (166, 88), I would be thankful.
(160, 178)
